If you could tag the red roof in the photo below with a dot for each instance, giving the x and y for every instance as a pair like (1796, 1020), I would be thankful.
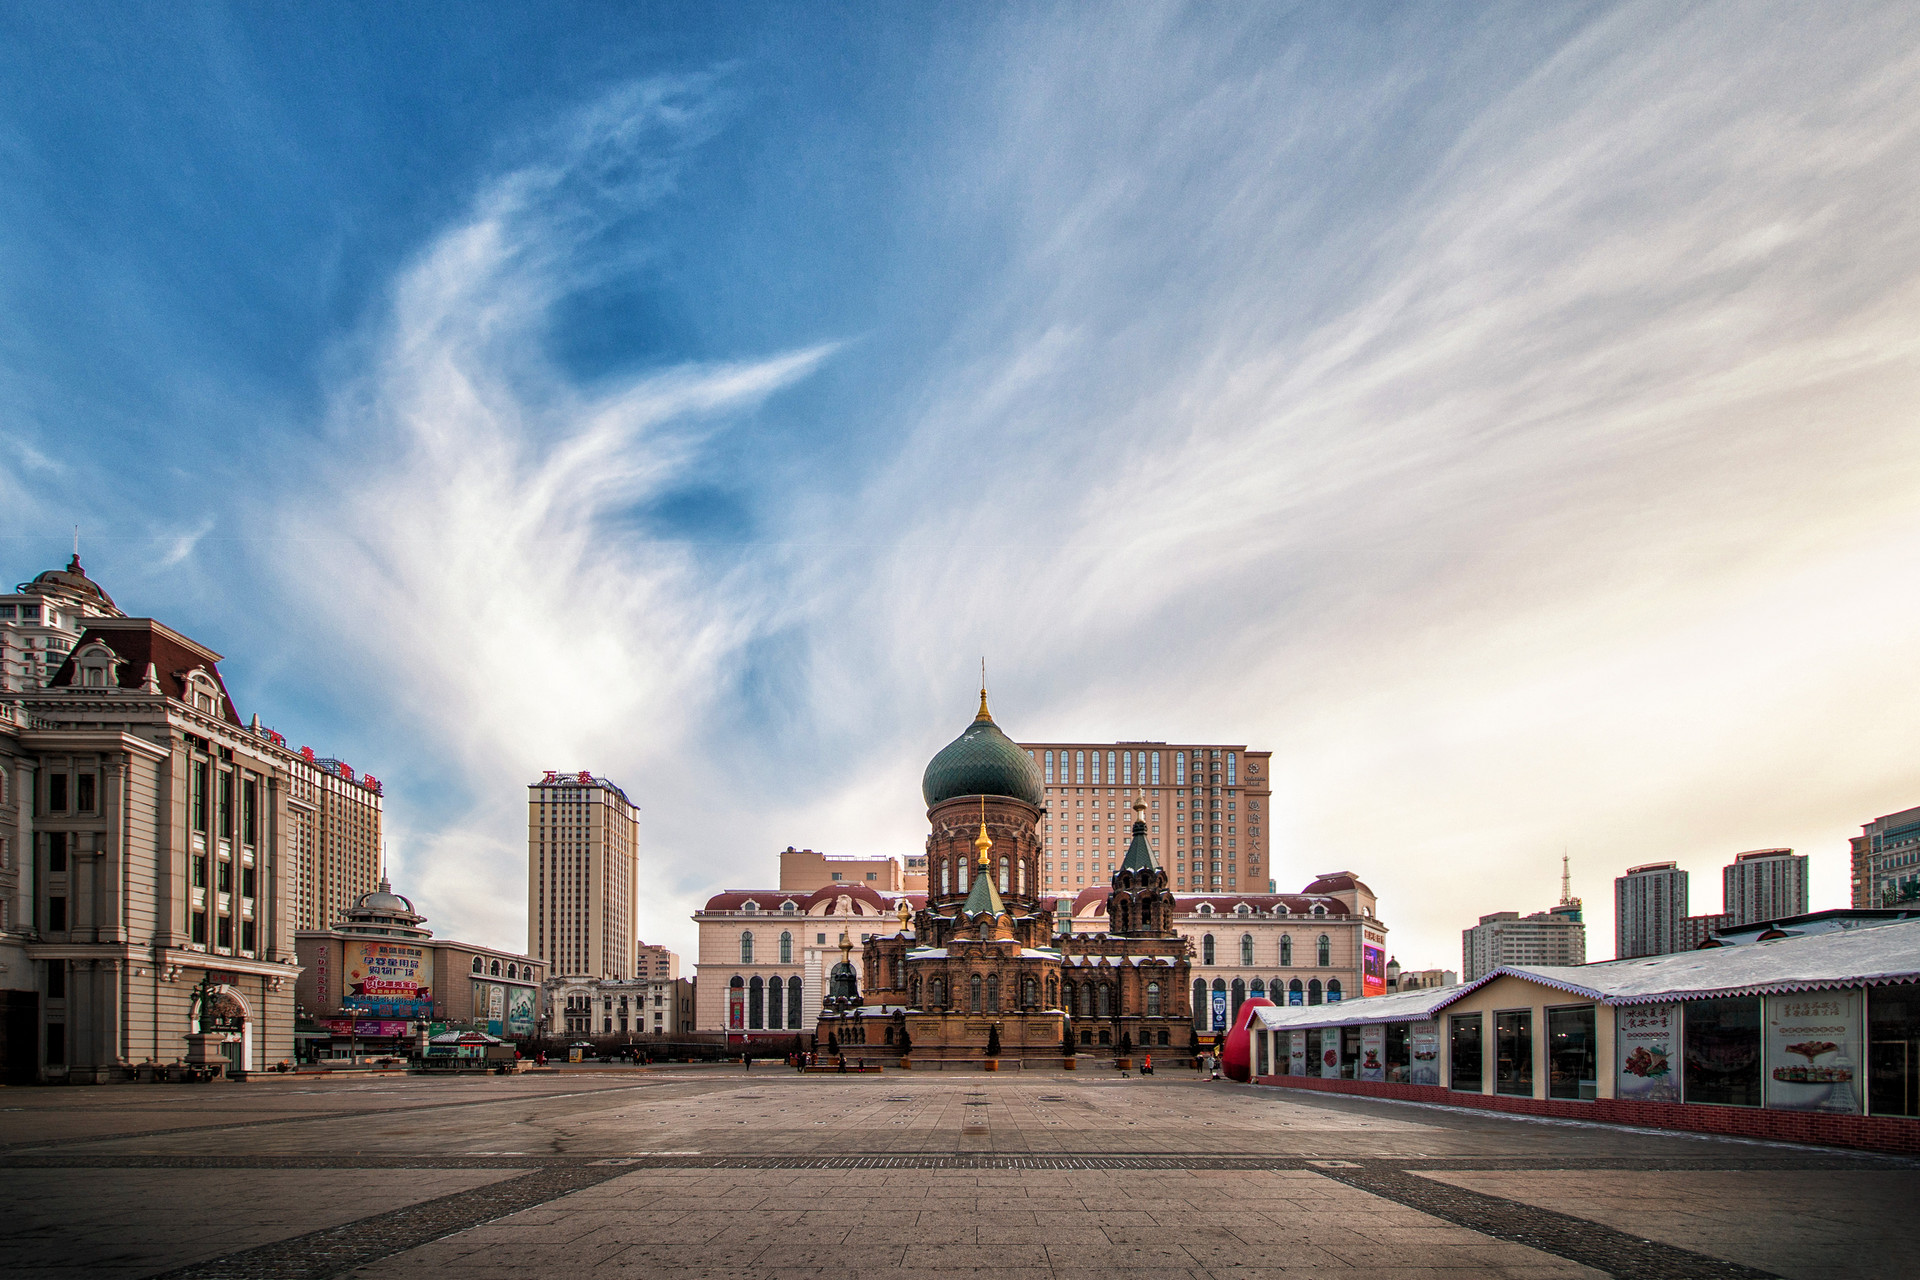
(140, 641)
(769, 900)
(1336, 882)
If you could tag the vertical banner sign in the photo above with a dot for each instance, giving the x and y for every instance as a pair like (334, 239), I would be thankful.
(1424, 1038)
(1219, 1012)
(1297, 1051)
(1813, 1052)
(1646, 1045)
(1373, 971)
(1373, 1050)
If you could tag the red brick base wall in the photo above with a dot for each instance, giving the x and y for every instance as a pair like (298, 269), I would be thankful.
(1868, 1133)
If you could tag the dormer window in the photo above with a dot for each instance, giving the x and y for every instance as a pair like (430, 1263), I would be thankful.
(1206, 908)
(1242, 910)
(203, 694)
(789, 907)
(749, 906)
(1319, 908)
(94, 667)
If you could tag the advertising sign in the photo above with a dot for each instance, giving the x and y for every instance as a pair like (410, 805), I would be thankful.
(1424, 1044)
(1646, 1045)
(520, 1011)
(365, 1027)
(1812, 1052)
(1219, 1012)
(394, 979)
(1373, 1050)
(1373, 971)
(1295, 995)
(1297, 1052)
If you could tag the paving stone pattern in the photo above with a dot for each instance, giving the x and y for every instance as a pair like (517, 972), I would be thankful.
(708, 1172)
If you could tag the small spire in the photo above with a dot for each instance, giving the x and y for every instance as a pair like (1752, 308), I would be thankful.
(983, 841)
(984, 713)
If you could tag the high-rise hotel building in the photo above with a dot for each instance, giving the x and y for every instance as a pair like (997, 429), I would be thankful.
(1207, 813)
(334, 834)
(583, 843)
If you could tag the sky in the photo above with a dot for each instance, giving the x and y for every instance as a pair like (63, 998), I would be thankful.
(1503, 414)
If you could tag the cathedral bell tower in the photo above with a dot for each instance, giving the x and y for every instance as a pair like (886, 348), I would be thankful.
(1140, 905)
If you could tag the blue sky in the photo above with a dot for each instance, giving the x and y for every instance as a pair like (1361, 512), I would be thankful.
(1502, 414)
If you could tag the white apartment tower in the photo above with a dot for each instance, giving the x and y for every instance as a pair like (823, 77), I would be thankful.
(1650, 910)
(1767, 884)
(583, 842)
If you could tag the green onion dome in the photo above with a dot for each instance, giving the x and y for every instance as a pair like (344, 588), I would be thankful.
(982, 762)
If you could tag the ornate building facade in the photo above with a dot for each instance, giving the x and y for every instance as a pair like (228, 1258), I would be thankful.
(979, 970)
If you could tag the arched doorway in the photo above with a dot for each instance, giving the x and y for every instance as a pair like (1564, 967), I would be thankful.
(231, 1017)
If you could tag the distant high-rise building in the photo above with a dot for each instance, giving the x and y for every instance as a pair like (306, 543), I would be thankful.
(1767, 884)
(1208, 813)
(655, 961)
(1886, 861)
(1650, 906)
(333, 835)
(1555, 937)
(804, 870)
(583, 842)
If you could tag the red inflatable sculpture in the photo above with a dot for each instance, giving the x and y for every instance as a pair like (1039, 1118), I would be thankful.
(1236, 1053)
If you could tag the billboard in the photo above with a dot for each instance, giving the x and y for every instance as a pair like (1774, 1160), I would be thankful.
(364, 1027)
(393, 979)
(1219, 1012)
(1812, 1052)
(520, 1011)
(1373, 971)
(1424, 1046)
(1646, 1045)
(1373, 1052)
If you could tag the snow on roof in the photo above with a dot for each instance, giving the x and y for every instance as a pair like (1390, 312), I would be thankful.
(1815, 962)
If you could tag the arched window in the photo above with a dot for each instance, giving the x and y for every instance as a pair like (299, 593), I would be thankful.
(786, 948)
(513, 970)
(946, 877)
(1006, 885)
(1206, 949)
(1104, 1001)
(1313, 991)
(495, 970)
(1333, 991)
(1153, 999)
(960, 876)
(1029, 992)
(776, 992)
(1246, 948)
(756, 1001)
(1323, 951)
(793, 1003)
(1258, 988)
(479, 965)
(1296, 994)
(1239, 995)
(936, 992)
(1319, 908)
(913, 993)
(973, 994)
(1086, 999)
(993, 993)
(746, 948)
(1053, 993)
(1200, 1003)
(1286, 950)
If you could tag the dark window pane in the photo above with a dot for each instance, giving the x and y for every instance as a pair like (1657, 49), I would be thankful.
(1513, 1054)
(56, 979)
(56, 1044)
(1398, 1052)
(200, 928)
(56, 851)
(1723, 1051)
(83, 792)
(1572, 1054)
(249, 811)
(56, 915)
(226, 931)
(1893, 1054)
(57, 792)
(1463, 1030)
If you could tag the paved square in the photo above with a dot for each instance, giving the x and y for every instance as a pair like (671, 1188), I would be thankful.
(696, 1172)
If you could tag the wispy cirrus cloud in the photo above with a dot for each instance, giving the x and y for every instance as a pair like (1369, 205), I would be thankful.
(1504, 423)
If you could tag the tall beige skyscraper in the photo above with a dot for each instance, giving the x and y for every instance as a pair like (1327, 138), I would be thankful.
(583, 842)
(333, 836)
(1208, 810)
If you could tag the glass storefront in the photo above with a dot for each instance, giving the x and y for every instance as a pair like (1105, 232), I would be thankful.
(1573, 1054)
(1722, 1039)
(1399, 1044)
(1893, 1054)
(1513, 1053)
(1463, 1052)
(1349, 1053)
